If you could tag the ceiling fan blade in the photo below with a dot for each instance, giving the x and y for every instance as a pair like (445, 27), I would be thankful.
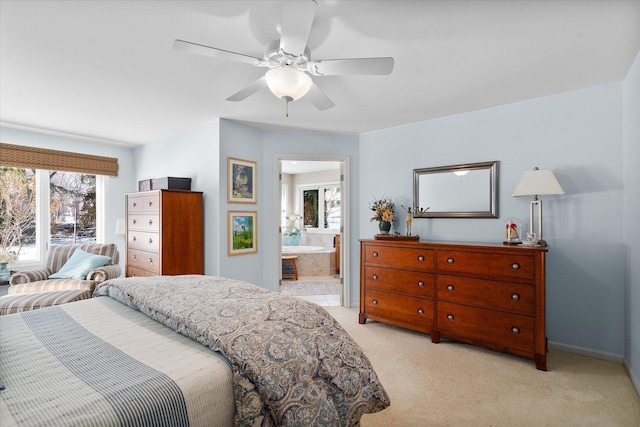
(353, 66)
(249, 90)
(201, 49)
(319, 99)
(297, 17)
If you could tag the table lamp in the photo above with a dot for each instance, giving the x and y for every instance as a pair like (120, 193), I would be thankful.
(535, 183)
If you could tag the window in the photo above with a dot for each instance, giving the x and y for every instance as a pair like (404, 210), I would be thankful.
(321, 206)
(40, 207)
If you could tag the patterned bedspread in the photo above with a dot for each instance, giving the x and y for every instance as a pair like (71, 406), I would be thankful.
(293, 364)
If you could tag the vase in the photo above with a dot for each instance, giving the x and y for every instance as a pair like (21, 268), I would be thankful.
(385, 227)
(291, 240)
(4, 268)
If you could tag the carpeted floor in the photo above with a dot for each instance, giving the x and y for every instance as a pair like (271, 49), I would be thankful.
(454, 384)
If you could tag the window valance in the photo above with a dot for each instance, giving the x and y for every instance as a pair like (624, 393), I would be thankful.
(43, 158)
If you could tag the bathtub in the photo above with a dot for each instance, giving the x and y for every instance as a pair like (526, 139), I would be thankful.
(313, 260)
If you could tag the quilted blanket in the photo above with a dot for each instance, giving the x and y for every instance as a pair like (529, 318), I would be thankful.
(293, 364)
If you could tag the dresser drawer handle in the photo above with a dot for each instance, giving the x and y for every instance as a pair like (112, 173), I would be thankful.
(421, 312)
(420, 284)
(450, 288)
(420, 258)
(450, 260)
(374, 277)
(135, 204)
(134, 221)
(450, 317)
(515, 297)
(150, 260)
(515, 330)
(374, 302)
(133, 257)
(150, 222)
(375, 254)
(134, 238)
(515, 266)
(150, 204)
(150, 240)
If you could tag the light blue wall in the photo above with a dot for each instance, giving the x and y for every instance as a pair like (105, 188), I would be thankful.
(195, 154)
(242, 142)
(277, 144)
(631, 219)
(116, 186)
(578, 135)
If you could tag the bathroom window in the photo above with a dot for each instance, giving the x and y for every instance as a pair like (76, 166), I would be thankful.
(321, 206)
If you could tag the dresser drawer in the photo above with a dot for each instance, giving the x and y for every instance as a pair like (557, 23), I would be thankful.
(143, 203)
(417, 259)
(505, 330)
(147, 241)
(145, 222)
(405, 282)
(505, 265)
(137, 272)
(514, 297)
(402, 310)
(145, 260)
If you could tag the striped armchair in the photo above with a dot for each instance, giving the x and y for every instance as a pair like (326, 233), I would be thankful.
(35, 281)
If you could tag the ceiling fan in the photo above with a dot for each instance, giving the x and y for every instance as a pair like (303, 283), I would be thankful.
(289, 60)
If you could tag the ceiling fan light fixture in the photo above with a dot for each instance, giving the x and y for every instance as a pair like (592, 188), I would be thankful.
(289, 82)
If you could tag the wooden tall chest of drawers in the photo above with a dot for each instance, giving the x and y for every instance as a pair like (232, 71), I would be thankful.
(488, 295)
(164, 233)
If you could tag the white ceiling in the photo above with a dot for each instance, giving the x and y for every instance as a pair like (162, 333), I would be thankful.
(106, 69)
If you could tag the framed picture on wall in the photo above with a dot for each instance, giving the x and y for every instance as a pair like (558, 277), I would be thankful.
(241, 181)
(242, 227)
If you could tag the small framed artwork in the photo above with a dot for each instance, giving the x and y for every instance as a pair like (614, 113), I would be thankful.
(242, 227)
(241, 181)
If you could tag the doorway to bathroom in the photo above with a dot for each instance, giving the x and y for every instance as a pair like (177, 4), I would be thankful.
(313, 232)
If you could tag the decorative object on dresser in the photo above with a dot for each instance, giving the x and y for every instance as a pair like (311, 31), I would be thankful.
(164, 233)
(488, 295)
(383, 213)
(536, 183)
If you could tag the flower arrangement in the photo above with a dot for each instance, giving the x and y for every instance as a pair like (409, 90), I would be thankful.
(6, 256)
(293, 225)
(382, 210)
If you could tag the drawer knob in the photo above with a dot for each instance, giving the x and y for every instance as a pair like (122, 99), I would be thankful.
(374, 302)
(450, 260)
(150, 222)
(150, 204)
(135, 204)
(515, 330)
(420, 312)
(133, 257)
(375, 254)
(450, 316)
(420, 284)
(515, 266)
(374, 277)
(134, 238)
(515, 297)
(420, 258)
(450, 288)
(150, 260)
(150, 240)
(134, 221)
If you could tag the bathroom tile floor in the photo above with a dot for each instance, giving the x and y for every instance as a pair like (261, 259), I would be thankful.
(322, 290)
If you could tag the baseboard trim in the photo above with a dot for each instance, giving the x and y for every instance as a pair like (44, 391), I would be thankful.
(609, 357)
(635, 381)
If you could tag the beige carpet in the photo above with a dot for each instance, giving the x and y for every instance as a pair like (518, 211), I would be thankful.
(454, 384)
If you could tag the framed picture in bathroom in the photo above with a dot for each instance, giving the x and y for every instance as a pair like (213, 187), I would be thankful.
(241, 180)
(242, 227)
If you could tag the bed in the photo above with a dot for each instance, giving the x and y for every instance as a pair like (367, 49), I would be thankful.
(183, 351)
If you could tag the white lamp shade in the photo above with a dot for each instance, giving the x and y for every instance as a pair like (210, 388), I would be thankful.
(120, 227)
(536, 183)
(286, 81)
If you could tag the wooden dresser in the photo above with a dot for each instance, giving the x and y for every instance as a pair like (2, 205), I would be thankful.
(488, 295)
(164, 233)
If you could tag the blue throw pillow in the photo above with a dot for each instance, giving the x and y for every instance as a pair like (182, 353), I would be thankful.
(79, 265)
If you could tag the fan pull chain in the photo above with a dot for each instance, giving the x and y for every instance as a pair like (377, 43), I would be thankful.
(287, 99)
